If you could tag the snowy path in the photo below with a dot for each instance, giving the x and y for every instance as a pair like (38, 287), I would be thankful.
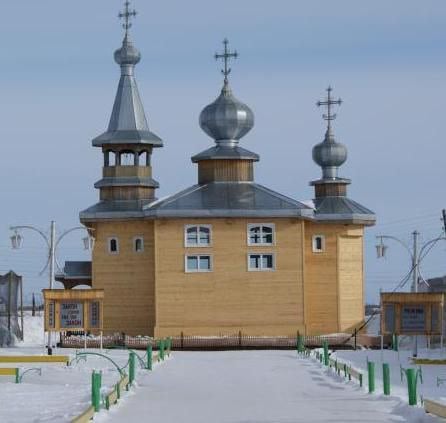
(252, 387)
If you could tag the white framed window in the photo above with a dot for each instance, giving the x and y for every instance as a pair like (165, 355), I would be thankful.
(198, 263)
(318, 243)
(113, 245)
(261, 234)
(197, 235)
(261, 262)
(138, 244)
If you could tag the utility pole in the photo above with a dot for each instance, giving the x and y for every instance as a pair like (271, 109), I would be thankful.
(51, 275)
(444, 220)
(415, 261)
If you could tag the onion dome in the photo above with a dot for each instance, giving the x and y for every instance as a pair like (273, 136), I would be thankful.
(329, 154)
(227, 119)
(128, 54)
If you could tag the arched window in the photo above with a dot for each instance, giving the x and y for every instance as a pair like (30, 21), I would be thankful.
(127, 158)
(138, 244)
(110, 158)
(261, 234)
(197, 236)
(113, 245)
(144, 158)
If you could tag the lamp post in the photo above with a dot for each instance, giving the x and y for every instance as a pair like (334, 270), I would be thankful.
(416, 256)
(52, 243)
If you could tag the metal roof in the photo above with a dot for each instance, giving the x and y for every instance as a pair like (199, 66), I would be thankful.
(221, 152)
(75, 270)
(228, 199)
(126, 181)
(128, 123)
(342, 209)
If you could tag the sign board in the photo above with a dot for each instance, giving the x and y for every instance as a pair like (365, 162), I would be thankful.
(69, 310)
(408, 313)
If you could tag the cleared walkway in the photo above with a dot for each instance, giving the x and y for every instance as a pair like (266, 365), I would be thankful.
(252, 387)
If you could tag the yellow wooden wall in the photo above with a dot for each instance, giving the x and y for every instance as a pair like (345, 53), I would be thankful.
(127, 278)
(230, 298)
(334, 293)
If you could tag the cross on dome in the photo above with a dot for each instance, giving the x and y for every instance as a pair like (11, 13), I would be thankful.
(329, 102)
(226, 56)
(127, 15)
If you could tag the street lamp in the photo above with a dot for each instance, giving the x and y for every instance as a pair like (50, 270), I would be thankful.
(416, 255)
(52, 243)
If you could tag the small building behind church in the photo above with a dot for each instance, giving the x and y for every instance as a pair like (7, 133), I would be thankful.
(226, 254)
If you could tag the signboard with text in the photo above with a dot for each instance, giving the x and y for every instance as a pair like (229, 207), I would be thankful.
(68, 310)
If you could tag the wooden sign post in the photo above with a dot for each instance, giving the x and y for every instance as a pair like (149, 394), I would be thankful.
(74, 310)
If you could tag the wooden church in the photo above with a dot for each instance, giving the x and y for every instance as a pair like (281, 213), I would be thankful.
(225, 254)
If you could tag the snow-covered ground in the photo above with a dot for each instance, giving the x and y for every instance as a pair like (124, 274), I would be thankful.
(221, 387)
(254, 387)
(428, 389)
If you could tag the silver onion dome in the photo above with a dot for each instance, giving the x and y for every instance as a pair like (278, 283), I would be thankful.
(227, 119)
(329, 155)
(128, 54)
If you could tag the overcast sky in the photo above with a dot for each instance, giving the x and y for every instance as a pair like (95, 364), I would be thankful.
(386, 59)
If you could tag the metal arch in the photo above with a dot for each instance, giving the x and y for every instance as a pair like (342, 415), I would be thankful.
(399, 241)
(34, 369)
(43, 235)
(421, 256)
(62, 236)
(119, 369)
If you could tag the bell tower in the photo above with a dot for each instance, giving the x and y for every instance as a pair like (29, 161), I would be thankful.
(127, 144)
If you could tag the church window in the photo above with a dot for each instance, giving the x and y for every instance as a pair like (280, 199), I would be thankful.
(261, 262)
(127, 158)
(197, 236)
(138, 244)
(113, 246)
(262, 234)
(318, 243)
(199, 263)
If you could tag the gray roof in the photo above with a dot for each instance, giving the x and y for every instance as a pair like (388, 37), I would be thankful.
(216, 199)
(221, 152)
(342, 209)
(128, 123)
(76, 270)
(126, 182)
(228, 199)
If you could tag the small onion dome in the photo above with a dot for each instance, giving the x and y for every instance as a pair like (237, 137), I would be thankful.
(128, 54)
(329, 154)
(226, 119)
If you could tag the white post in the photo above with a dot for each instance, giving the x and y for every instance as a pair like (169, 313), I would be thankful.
(52, 262)
(415, 280)
(85, 339)
(101, 340)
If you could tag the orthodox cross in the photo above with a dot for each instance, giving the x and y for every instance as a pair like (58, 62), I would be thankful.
(329, 116)
(127, 15)
(226, 56)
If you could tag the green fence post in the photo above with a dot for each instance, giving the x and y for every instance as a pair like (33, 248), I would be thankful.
(345, 370)
(411, 386)
(326, 359)
(161, 349)
(371, 376)
(96, 390)
(386, 378)
(132, 362)
(395, 342)
(118, 391)
(17, 375)
(149, 356)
